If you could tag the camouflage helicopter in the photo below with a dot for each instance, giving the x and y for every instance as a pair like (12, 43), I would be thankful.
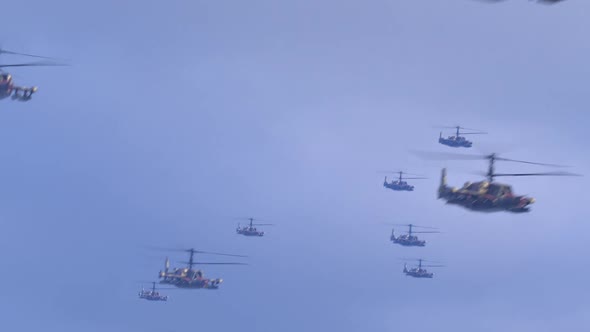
(152, 295)
(410, 240)
(190, 278)
(250, 230)
(458, 141)
(419, 271)
(490, 196)
(7, 86)
(400, 184)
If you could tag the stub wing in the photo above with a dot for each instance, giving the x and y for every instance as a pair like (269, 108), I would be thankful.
(23, 93)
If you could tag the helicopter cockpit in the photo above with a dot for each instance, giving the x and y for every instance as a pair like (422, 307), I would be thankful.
(498, 190)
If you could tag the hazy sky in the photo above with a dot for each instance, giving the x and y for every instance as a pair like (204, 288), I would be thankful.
(178, 116)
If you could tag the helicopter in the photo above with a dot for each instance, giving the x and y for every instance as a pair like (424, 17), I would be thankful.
(458, 141)
(420, 272)
(487, 195)
(250, 230)
(190, 278)
(7, 85)
(410, 240)
(152, 295)
(400, 184)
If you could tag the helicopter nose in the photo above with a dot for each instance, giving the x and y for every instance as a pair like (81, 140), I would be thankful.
(531, 200)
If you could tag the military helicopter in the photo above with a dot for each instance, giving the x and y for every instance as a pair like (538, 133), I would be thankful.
(250, 230)
(189, 277)
(400, 184)
(490, 196)
(420, 272)
(152, 295)
(7, 86)
(410, 240)
(458, 141)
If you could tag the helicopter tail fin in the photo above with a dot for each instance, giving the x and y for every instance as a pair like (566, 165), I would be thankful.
(443, 182)
(166, 265)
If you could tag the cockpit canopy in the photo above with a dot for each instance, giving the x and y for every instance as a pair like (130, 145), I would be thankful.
(497, 189)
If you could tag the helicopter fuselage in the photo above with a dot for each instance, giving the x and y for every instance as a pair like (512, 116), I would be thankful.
(249, 231)
(408, 241)
(455, 142)
(187, 278)
(418, 273)
(484, 196)
(152, 296)
(398, 186)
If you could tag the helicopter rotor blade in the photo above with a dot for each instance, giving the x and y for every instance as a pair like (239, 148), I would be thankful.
(193, 250)
(415, 178)
(213, 253)
(214, 263)
(263, 224)
(481, 133)
(455, 127)
(35, 64)
(459, 156)
(25, 54)
(430, 155)
(529, 162)
(538, 174)
(433, 265)
(415, 226)
(418, 259)
(424, 232)
(398, 172)
(248, 219)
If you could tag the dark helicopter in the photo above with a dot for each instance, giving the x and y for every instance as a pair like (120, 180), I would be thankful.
(400, 184)
(487, 195)
(190, 278)
(419, 271)
(458, 141)
(250, 230)
(410, 240)
(152, 295)
(7, 86)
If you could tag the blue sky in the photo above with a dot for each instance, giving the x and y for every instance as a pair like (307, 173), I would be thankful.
(178, 116)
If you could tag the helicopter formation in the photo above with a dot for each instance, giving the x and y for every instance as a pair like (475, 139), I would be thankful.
(188, 277)
(482, 196)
